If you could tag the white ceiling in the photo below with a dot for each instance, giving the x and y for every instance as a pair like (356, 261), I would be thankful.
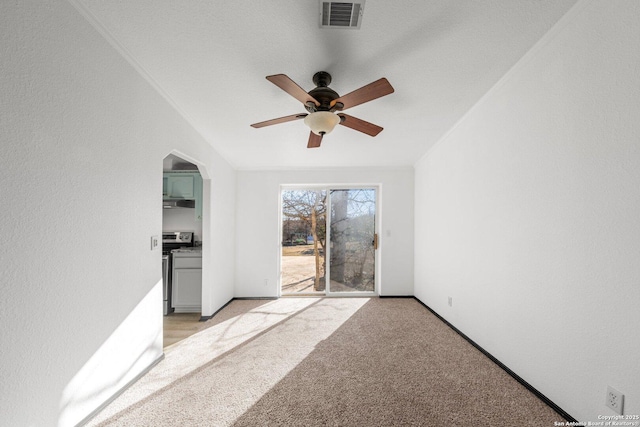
(210, 59)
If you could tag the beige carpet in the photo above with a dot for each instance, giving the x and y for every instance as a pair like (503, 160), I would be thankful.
(330, 361)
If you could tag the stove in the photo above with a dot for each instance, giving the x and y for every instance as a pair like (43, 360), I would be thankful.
(172, 240)
(175, 240)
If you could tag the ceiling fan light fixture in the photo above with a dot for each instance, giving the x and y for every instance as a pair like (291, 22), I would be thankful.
(321, 122)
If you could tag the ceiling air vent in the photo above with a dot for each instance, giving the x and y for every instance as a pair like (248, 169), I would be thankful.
(340, 14)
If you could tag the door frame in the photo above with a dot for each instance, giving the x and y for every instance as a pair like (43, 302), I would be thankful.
(377, 227)
(207, 299)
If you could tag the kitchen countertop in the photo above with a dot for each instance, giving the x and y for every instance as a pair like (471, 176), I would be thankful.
(195, 250)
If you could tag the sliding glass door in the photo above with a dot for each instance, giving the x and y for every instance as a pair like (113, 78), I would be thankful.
(337, 225)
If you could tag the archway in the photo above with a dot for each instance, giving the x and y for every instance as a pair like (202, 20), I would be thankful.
(186, 195)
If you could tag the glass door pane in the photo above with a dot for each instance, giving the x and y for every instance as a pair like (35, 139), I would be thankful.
(303, 241)
(352, 233)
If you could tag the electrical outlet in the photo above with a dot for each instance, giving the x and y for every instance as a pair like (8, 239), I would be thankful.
(450, 301)
(155, 243)
(615, 400)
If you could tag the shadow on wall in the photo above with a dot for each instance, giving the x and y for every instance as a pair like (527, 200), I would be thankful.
(110, 368)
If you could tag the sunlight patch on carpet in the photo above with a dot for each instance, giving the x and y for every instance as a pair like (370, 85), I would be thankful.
(266, 333)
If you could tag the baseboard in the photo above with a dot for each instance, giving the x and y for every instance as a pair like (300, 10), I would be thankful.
(515, 376)
(117, 394)
(205, 318)
(396, 296)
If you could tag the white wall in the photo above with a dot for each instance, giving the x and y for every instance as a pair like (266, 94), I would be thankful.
(258, 235)
(83, 140)
(527, 214)
(182, 220)
(218, 229)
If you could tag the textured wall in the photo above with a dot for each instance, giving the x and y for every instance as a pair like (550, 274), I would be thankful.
(258, 249)
(83, 140)
(527, 214)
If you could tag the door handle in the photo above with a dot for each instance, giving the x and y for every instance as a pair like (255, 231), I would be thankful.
(375, 241)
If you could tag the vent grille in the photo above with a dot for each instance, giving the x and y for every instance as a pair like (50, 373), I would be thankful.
(341, 14)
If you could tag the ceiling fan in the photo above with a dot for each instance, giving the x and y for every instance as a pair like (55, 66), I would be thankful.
(322, 102)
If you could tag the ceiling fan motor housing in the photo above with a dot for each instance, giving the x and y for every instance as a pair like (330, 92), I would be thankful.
(322, 93)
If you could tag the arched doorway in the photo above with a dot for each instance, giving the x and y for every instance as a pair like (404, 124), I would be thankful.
(185, 202)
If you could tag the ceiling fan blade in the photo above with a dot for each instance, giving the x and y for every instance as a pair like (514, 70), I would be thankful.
(367, 93)
(314, 140)
(359, 125)
(279, 120)
(292, 88)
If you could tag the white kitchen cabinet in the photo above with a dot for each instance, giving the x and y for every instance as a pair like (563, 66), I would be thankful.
(186, 293)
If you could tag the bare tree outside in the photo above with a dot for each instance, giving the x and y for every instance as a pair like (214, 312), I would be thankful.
(304, 231)
(350, 238)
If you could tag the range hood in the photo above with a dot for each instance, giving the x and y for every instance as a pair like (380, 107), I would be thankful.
(178, 204)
